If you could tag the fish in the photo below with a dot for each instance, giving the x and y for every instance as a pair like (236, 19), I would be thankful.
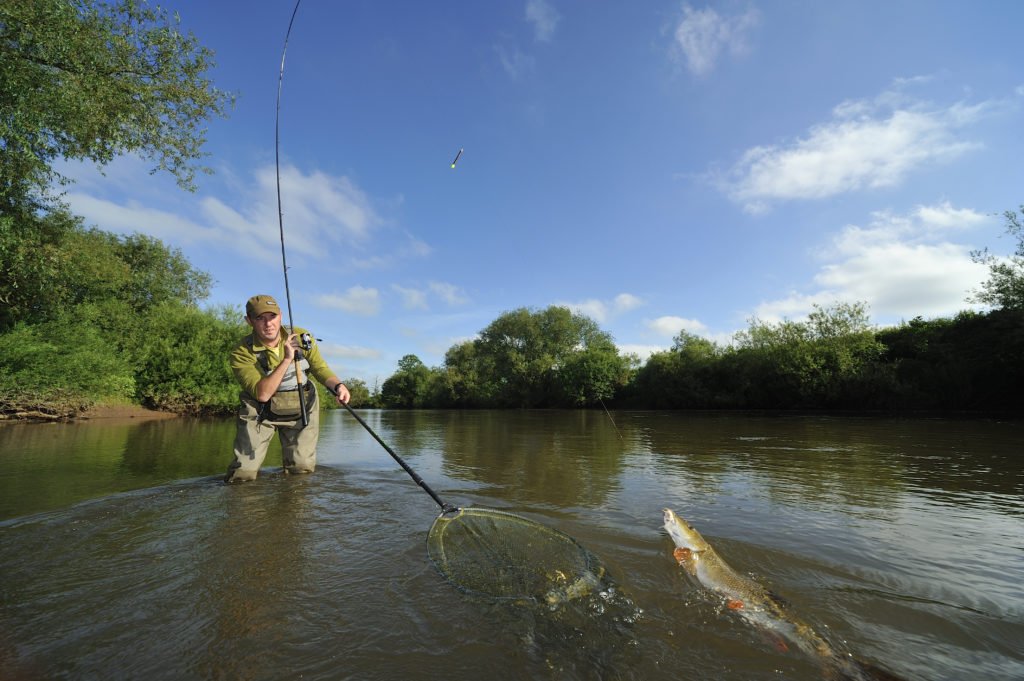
(759, 606)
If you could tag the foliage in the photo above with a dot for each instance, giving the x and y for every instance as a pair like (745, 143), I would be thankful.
(60, 362)
(57, 264)
(683, 377)
(969, 362)
(88, 81)
(407, 387)
(1004, 288)
(546, 358)
(360, 395)
(806, 364)
(182, 365)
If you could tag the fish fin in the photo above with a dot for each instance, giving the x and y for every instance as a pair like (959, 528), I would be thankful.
(777, 599)
(874, 672)
(775, 640)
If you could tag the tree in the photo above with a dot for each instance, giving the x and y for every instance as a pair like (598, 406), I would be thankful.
(407, 387)
(810, 364)
(461, 383)
(521, 357)
(1005, 286)
(66, 266)
(359, 393)
(89, 81)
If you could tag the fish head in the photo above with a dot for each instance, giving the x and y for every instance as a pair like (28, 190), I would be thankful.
(683, 534)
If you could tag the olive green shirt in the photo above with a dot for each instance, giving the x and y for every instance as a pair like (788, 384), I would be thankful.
(245, 362)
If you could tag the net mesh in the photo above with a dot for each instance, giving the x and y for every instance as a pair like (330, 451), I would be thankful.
(502, 555)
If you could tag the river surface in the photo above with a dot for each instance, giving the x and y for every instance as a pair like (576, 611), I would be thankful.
(899, 541)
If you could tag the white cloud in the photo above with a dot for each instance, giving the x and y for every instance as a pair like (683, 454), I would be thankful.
(901, 266)
(669, 326)
(331, 350)
(945, 216)
(867, 144)
(356, 300)
(412, 299)
(318, 210)
(642, 351)
(601, 311)
(449, 293)
(132, 217)
(515, 63)
(703, 35)
(543, 17)
(417, 299)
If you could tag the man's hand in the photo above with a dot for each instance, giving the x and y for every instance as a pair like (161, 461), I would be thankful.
(291, 344)
(341, 393)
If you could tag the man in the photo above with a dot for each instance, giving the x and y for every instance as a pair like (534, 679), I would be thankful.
(265, 364)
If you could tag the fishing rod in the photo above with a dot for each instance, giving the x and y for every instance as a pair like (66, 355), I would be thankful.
(445, 507)
(472, 547)
(280, 216)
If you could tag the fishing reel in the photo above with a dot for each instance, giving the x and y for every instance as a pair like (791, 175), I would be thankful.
(305, 344)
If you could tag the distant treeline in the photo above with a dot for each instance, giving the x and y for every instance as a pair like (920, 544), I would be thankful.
(835, 361)
(90, 316)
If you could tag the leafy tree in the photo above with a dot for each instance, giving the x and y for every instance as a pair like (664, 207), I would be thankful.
(1004, 288)
(33, 255)
(682, 377)
(407, 387)
(592, 374)
(69, 266)
(461, 383)
(359, 392)
(522, 354)
(89, 81)
(183, 362)
(360, 395)
(808, 364)
(61, 361)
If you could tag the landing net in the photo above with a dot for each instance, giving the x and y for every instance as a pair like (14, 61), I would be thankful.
(501, 555)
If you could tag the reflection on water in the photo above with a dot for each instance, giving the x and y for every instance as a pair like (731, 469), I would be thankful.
(902, 541)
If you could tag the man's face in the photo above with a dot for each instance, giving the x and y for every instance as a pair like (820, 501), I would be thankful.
(266, 326)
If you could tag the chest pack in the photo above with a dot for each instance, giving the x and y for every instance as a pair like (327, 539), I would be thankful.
(285, 405)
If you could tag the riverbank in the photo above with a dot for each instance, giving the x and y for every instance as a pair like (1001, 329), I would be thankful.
(107, 412)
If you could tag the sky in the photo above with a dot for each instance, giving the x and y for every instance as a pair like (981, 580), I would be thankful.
(658, 166)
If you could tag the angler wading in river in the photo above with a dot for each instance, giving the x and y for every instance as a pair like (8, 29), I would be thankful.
(272, 367)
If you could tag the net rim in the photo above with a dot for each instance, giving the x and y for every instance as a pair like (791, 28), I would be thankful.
(435, 543)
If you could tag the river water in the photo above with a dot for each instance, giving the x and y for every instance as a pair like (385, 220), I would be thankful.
(900, 541)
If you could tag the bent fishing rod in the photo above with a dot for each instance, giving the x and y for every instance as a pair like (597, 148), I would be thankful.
(280, 216)
(445, 507)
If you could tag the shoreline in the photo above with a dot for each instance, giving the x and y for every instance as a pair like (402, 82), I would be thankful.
(122, 412)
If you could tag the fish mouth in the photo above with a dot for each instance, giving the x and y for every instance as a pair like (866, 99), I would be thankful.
(680, 532)
(673, 525)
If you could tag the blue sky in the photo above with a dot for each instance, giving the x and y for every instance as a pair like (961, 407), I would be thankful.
(657, 166)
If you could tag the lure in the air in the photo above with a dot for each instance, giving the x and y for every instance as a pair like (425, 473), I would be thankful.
(456, 159)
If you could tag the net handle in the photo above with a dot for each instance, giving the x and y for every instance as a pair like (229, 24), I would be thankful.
(445, 507)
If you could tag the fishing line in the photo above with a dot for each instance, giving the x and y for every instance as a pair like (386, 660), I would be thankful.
(610, 417)
(479, 550)
(280, 213)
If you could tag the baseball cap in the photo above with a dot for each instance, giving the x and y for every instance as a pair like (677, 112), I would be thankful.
(257, 305)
